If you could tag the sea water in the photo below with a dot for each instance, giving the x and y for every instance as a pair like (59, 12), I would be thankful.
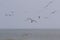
(29, 34)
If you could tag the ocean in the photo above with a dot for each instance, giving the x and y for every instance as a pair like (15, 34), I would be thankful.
(29, 34)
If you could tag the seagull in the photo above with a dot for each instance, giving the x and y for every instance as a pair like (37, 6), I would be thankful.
(39, 17)
(31, 20)
(12, 11)
(9, 14)
(48, 4)
(53, 12)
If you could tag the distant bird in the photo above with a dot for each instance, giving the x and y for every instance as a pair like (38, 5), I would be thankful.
(53, 12)
(39, 17)
(9, 14)
(12, 11)
(32, 20)
(48, 4)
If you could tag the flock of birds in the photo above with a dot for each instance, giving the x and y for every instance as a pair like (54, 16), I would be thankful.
(10, 14)
(30, 19)
(53, 12)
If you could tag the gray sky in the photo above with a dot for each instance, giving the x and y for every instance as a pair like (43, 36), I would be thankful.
(23, 9)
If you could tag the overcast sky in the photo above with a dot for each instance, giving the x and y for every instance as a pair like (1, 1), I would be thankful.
(48, 10)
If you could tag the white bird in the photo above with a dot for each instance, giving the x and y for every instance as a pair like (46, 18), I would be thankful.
(32, 20)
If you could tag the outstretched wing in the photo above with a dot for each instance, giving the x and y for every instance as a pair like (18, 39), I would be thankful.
(33, 21)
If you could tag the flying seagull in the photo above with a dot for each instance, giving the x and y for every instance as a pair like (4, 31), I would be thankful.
(39, 17)
(48, 4)
(53, 12)
(32, 20)
(9, 14)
